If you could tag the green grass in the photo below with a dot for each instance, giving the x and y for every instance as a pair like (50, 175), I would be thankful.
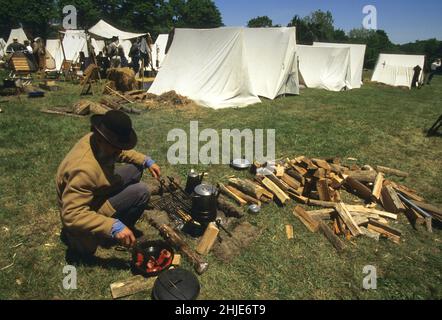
(377, 125)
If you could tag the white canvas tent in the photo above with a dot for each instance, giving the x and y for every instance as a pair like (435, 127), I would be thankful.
(357, 56)
(229, 67)
(74, 42)
(159, 50)
(397, 69)
(2, 47)
(53, 47)
(325, 67)
(106, 31)
(18, 34)
(271, 56)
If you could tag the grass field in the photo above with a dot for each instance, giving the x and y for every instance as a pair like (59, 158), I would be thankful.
(378, 125)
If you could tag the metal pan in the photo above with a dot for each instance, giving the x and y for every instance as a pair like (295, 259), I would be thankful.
(240, 164)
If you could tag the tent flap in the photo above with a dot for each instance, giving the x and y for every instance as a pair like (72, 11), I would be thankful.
(106, 31)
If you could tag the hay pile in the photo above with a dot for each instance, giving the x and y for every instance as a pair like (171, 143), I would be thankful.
(123, 79)
(168, 99)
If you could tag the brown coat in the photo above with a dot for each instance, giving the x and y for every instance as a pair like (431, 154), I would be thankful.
(84, 186)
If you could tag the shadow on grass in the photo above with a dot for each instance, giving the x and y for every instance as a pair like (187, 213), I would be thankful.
(76, 259)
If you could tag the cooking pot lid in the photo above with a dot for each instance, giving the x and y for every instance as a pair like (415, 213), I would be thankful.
(241, 164)
(205, 190)
(176, 284)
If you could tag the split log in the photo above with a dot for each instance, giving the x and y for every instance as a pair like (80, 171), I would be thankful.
(289, 232)
(378, 184)
(385, 230)
(322, 164)
(261, 188)
(390, 200)
(324, 204)
(246, 187)
(296, 175)
(281, 195)
(292, 182)
(359, 189)
(436, 212)
(323, 214)
(324, 192)
(364, 210)
(208, 239)
(391, 171)
(363, 176)
(280, 184)
(306, 219)
(345, 215)
(231, 195)
(131, 286)
(249, 199)
(329, 234)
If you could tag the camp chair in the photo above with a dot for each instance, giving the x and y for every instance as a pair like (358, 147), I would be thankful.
(433, 130)
(91, 73)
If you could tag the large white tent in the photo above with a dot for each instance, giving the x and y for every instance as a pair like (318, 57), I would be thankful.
(229, 67)
(18, 34)
(357, 56)
(159, 50)
(106, 31)
(325, 67)
(397, 69)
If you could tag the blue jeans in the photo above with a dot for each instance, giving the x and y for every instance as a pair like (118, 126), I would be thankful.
(130, 202)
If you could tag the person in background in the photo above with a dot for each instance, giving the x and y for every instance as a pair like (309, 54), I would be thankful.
(435, 66)
(123, 60)
(135, 55)
(103, 63)
(415, 83)
(99, 202)
(28, 47)
(15, 46)
(112, 53)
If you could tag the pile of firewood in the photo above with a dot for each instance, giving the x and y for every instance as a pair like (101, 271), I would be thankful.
(325, 183)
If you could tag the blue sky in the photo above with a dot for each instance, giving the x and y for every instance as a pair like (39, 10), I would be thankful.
(404, 20)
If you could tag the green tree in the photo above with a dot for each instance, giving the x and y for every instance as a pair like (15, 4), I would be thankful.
(33, 16)
(321, 25)
(377, 42)
(304, 34)
(260, 22)
(200, 14)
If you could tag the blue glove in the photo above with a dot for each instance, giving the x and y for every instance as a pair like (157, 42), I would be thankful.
(148, 162)
(117, 227)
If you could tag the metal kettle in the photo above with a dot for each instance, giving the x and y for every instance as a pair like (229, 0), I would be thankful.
(193, 179)
(205, 203)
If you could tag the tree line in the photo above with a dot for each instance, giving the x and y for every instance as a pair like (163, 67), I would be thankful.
(43, 18)
(319, 26)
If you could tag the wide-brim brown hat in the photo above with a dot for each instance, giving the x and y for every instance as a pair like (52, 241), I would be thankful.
(116, 128)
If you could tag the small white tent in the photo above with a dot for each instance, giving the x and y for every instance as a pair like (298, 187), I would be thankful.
(18, 34)
(325, 67)
(397, 69)
(230, 67)
(159, 50)
(357, 56)
(2, 47)
(53, 47)
(106, 31)
(271, 57)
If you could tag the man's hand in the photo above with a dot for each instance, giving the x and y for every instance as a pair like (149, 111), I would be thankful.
(126, 238)
(155, 170)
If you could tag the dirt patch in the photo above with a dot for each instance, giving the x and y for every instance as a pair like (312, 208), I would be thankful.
(242, 237)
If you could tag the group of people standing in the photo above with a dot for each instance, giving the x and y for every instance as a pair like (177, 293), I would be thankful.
(115, 57)
(35, 52)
